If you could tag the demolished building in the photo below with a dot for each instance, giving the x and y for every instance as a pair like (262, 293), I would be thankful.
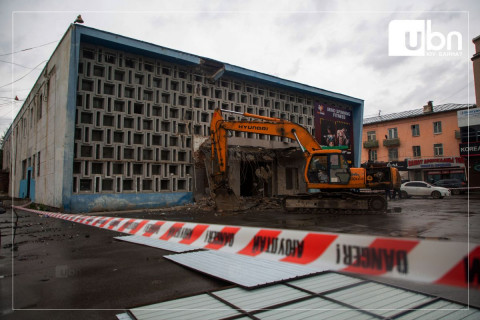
(114, 123)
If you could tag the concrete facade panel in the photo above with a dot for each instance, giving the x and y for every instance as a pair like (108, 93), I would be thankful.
(39, 129)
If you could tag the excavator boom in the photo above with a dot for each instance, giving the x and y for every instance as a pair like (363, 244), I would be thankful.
(269, 126)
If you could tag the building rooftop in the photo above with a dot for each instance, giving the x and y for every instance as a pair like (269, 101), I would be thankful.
(416, 113)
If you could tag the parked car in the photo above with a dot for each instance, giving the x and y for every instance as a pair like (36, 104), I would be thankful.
(453, 185)
(423, 189)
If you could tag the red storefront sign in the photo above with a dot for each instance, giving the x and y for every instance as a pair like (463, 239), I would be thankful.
(436, 162)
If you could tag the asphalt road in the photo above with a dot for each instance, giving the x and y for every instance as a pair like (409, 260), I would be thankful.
(67, 270)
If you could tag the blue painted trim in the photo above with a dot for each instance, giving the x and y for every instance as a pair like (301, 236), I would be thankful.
(32, 190)
(22, 192)
(116, 41)
(23, 186)
(357, 134)
(127, 201)
(70, 120)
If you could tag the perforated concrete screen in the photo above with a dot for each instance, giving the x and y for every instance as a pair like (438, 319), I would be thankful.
(136, 118)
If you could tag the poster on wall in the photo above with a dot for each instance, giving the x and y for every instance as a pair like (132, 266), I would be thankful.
(334, 127)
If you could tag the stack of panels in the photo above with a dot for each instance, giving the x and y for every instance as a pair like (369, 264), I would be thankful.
(197, 307)
(325, 296)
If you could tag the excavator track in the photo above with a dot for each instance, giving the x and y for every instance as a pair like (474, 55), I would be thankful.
(337, 202)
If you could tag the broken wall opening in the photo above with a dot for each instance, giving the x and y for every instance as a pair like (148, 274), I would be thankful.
(253, 171)
(255, 178)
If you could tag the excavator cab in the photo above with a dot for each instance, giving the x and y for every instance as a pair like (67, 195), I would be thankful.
(329, 168)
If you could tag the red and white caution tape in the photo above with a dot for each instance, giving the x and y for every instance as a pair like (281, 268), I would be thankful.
(431, 261)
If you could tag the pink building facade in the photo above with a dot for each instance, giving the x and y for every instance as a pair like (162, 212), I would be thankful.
(423, 143)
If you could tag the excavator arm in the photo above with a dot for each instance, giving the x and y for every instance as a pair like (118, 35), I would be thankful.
(269, 126)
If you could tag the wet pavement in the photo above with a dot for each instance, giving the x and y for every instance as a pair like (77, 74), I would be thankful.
(85, 273)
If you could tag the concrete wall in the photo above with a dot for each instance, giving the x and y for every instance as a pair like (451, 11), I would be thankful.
(37, 135)
(295, 164)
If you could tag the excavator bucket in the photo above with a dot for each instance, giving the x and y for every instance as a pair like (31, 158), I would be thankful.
(227, 200)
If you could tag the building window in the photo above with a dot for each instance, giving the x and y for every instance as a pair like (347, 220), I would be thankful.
(393, 154)
(438, 149)
(371, 136)
(415, 130)
(416, 151)
(437, 127)
(38, 164)
(470, 133)
(372, 155)
(392, 133)
(24, 169)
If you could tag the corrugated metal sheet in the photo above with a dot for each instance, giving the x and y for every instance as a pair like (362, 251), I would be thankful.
(124, 316)
(156, 243)
(444, 310)
(242, 270)
(381, 299)
(325, 282)
(249, 300)
(315, 308)
(415, 113)
(326, 296)
(197, 307)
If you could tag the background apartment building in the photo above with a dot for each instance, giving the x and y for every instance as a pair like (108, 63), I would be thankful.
(423, 143)
(115, 123)
(469, 123)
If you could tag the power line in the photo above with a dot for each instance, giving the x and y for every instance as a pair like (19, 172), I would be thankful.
(441, 100)
(16, 64)
(24, 75)
(42, 45)
(19, 90)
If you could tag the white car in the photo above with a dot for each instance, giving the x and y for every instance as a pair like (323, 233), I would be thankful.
(423, 189)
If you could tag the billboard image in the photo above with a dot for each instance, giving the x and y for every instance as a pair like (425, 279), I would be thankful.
(334, 127)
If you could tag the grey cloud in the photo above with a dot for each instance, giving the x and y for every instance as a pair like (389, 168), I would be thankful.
(316, 49)
(300, 24)
(435, 83)
(293, 70)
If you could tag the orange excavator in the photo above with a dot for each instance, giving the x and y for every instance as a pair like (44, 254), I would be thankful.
(330, 180)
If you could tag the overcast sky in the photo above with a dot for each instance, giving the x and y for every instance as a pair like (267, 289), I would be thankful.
(340, 46)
